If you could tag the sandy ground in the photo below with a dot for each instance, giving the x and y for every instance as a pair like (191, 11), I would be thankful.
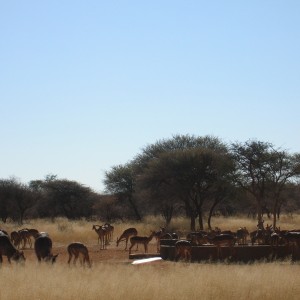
(112, 254)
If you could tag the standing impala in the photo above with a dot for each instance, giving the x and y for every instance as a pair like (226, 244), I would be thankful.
(144, 240)
(126, 235)
(222, 240)
(102, 234)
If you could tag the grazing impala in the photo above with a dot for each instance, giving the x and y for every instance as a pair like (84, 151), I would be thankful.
(126, 235)
(183, 250)
(76, 249)
(43, 249)
(144, 240)
(9, 250)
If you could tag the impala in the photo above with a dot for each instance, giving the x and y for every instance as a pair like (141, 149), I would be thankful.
(183, 250)
(258, 236)
(241, 235)
(76, 249)
(102, 233)
(25, 237)
(15, 238)
(43, 249)
(9, 250)
(126, 235)
(144, 240)
(110, 232)
(158, 235)
(222, 240)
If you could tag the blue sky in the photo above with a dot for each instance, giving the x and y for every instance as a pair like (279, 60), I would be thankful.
(85, 85)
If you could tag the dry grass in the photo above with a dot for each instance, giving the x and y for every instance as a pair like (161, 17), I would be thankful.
(159, 280)
(167, 281)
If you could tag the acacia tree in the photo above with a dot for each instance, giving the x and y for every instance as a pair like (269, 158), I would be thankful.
(262, 171)
(222, 190)
(176, 143)
(62, 197)
(121, 181)
(7, 188)
(16, 199)
(284, 169)
(187, 176)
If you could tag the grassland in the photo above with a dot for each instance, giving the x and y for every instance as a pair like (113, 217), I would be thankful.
(114, 277)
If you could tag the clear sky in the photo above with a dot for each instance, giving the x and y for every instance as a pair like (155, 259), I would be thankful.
(85, 85)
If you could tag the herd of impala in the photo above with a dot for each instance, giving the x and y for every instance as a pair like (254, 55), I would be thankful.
(10, 244)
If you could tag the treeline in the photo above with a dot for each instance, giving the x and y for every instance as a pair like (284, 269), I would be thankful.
(197, 177)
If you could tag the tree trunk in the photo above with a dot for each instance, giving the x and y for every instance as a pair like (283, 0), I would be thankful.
(259, 212)
(210, 214)
(193, 222)
(274, 218)
(200, 220)
(135, 210)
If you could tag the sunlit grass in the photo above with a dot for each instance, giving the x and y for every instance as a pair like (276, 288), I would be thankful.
(163, 280)
(171, 281)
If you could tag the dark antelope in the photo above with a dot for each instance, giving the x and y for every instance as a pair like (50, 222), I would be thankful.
(43, 249)
(183, 250)
(76, 249)
(9, 250)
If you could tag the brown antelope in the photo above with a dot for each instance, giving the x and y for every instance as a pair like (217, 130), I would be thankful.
(197, 237)
(102, 233)
(158, 235)
(33, 233)
(43, 249)
(126, 235)
(183, 250)
(275, 238)
(135, 240)
(25, 237)
(15, 238)
(241, 235)
(76, 249)
(9, 250)
(258, 236)
(222, 240)
(110, 232)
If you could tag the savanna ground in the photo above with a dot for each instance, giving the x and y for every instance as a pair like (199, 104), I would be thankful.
(112, 276)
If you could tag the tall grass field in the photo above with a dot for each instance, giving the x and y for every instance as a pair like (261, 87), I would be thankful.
(157, 280)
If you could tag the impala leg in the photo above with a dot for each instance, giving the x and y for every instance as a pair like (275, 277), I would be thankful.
(70, 257)
(75, 258)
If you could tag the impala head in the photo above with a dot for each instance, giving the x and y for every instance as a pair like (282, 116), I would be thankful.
(51, 258)
(19, 257)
